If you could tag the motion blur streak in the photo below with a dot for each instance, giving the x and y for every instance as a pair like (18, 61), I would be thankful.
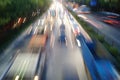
(17, 77)
(36, 78)
(55, 47)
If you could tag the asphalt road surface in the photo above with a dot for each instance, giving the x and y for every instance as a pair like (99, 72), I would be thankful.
(111, 34)
(64, 61)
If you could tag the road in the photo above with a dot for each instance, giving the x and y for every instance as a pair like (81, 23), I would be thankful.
(18, 45)
(11, 51)
(112, 35)
(24, 67)
(63, 61)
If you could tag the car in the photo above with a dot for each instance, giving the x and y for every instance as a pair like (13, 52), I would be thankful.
(53, 13)
(76, 29)
(110, 21)
(115, 19)
(83, 9)
(71, 18)
(62, 27)
(104, 13)
(110, 18)
(62, 37)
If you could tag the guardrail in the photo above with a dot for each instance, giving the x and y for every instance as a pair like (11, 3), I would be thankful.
(88, 58)
(38, 62)
(100, 69)
(93, 63)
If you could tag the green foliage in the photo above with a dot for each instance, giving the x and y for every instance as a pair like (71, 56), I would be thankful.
(12, 34)
(114, 51)
(12, 9)
(4, 20)
(100, 38)
(107, 5)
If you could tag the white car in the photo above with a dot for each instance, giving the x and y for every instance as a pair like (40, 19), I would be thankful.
(82, 10)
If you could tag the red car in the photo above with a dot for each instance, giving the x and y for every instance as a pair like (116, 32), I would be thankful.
(110, 21)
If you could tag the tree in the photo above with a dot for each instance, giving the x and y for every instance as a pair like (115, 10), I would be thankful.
(12, 9)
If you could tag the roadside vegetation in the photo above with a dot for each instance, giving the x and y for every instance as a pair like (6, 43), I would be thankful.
(16, 16)
(104, 5)
(112, 50)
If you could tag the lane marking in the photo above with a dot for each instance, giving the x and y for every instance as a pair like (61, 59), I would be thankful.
(70, 38)
(25, 68)
(53, 41)
(35, 30)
